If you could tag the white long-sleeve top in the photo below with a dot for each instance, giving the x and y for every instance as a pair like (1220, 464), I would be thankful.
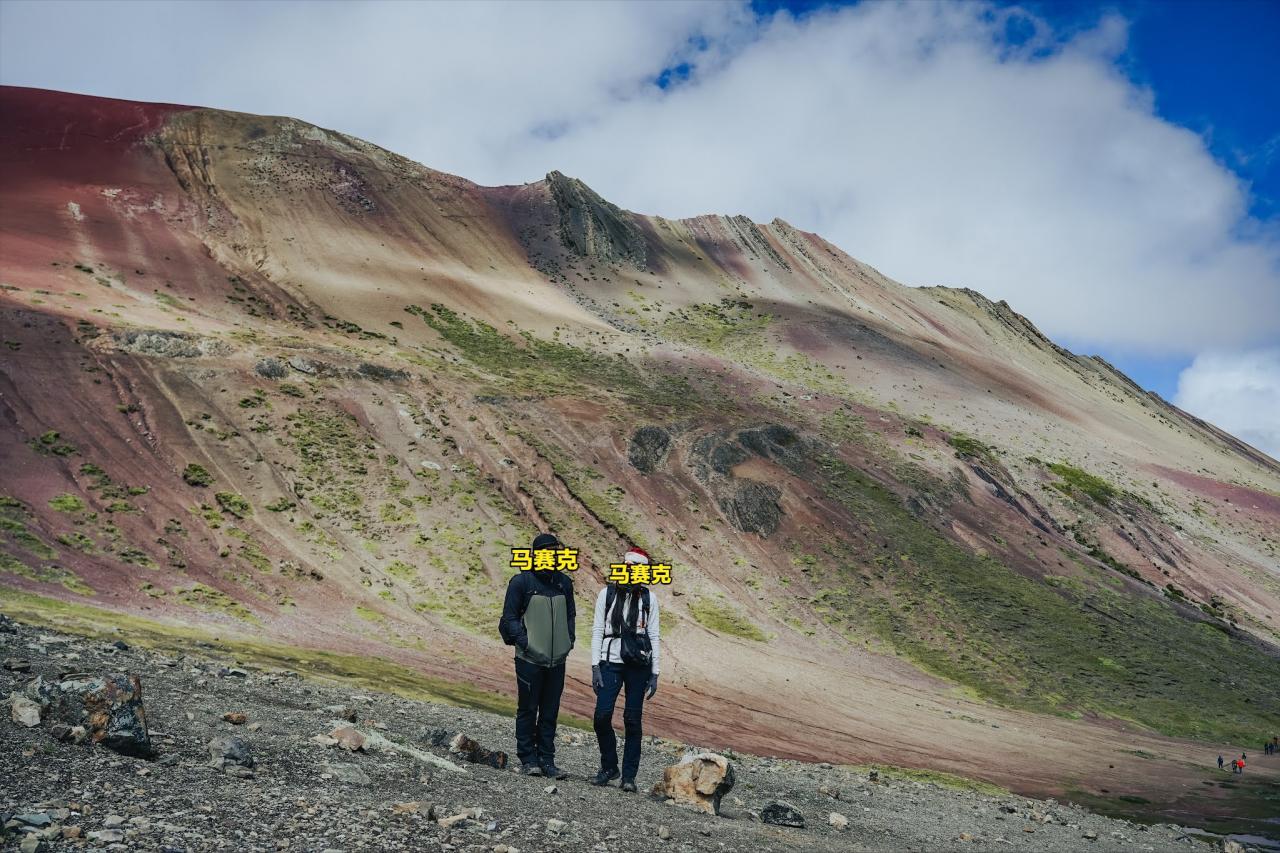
(613, 646)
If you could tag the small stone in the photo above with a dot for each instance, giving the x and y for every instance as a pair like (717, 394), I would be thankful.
(664, 832)
(112, 820)
(415, 807)
(254, 726)
(550, 789)
(107, 836)
(236, 718)
(325, 740)
(36, 819)
(30, 844)
(348, 773)
(72, 832)
(838, 820)
(454, 820)
(348, 738)
(17, 665)
(227, 752)
(1090, 835)
(120, 646)
(556, 826)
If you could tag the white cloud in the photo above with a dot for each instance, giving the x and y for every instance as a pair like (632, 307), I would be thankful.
(920, 137)
(1239, 392)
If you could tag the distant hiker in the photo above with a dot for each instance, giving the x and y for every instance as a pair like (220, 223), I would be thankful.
(1219, 762)
(537, 618)
(624, 655)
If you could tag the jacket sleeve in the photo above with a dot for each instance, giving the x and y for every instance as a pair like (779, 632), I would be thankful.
(511, 626)
(652, 630)
(597, 628)
(571, 607)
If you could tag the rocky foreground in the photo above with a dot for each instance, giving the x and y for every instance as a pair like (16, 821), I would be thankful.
(251, 760)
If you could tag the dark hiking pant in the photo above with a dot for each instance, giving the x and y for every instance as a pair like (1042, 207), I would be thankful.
(538, 690)
(634, 679)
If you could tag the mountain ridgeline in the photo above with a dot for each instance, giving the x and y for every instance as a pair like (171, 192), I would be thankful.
(269, 383)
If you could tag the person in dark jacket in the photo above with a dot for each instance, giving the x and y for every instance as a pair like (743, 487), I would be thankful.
(538, 619)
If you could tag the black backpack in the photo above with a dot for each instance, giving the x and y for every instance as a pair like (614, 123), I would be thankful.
(636, 648)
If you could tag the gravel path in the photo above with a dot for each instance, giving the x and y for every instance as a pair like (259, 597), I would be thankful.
(303, 795)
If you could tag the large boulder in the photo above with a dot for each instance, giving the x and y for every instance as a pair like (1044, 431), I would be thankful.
(109, 707)
(699, 781)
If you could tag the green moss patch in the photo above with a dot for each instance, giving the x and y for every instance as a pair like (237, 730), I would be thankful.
(1076, 481)
(235, 504)
(722, 618)
(67, 503)
(196, 475)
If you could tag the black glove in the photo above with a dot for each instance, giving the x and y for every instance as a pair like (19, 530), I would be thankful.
(653, 685)
(597, 680)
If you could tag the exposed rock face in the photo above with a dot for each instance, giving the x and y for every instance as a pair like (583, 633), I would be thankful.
(592, 227)
(699, 781)
(753, 507)
(170, 344)
(108, 707)
(649, 448)
(749, 505)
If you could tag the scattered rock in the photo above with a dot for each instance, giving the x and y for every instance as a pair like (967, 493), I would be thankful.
(780, 813)
(30, 844)
(36, 819)
(226, 752)
(107, 836)
(837, 820)
(24, 711)
(302, 365)
(348, 773)
(664, 832)
(348, 738)
(68, 734)
(550, 789)
(421, 807)
(17, 665)
(470, 750)
(556, 826)
(700, 780)
(236, 718)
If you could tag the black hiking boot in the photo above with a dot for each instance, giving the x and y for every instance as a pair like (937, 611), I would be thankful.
(604, 777)
(530, 769)
(629, 785)
(552, 772)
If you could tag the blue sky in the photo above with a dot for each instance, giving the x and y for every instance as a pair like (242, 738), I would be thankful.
(1111, 170)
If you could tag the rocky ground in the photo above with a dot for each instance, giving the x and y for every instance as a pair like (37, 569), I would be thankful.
(305, 793)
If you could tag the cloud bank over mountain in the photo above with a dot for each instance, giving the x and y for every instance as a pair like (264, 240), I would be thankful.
(957, 144)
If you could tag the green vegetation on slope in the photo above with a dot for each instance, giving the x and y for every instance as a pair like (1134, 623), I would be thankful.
(1076, 480)
(722, 618)
(550, 366)
(1080, 647)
